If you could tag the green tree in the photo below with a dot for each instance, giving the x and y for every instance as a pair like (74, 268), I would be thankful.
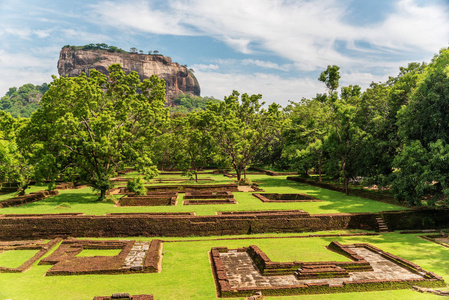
(195, 143)
(423, 126)
(240, 128)
(305, 135)
(91, 127)
(13, 165)
(341, 112)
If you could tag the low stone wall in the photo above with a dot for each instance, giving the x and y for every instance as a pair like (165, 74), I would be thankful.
(210, 201)
(208, 195)
(234, 286)
(151, 200)
(40, 245)
(192, 187)
(134, 257)
(124, 296)
(270, 268)
(426, 218)
(177, 224)
(34, 226)
(275, 197)
(32, 197)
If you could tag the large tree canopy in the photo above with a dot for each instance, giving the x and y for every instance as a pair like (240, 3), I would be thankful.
(91, 127)
(13, 165)
(240, 128)
(422, 165)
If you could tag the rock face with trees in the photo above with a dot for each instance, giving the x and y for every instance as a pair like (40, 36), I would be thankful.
(178, 79)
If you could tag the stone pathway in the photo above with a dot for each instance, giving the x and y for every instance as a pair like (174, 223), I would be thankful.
(136, 256)
(242, 272)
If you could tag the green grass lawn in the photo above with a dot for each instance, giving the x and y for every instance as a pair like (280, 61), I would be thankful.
(85, 201)
(186, 271)
(31, 189)
(98, 252)
(15, 258)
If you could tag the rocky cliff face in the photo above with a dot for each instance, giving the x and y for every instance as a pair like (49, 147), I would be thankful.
(177, 78)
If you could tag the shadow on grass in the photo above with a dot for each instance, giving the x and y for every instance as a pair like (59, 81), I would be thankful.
(333, 200)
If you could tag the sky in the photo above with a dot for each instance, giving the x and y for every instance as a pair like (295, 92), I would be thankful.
(276, 48)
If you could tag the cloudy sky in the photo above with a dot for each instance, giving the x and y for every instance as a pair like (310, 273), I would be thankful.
(273, 47)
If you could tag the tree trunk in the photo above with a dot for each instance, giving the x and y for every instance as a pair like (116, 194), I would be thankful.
(196, 176)
(239, 176)
(319, 168)
(102, 195)
(345, 177)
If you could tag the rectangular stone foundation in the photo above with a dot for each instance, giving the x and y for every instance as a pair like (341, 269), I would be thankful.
(236, 274)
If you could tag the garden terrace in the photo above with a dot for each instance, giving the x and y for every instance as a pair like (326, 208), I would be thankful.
(146, 224)
(124, 296)
(40, 245)
(21, 200)
(190, 187)
(177, 281)
(181, 179)
(275, 197)
(209, 195)
(151, 199)
(134, 257)
(372, 269)
(269, 268)
(210, 202)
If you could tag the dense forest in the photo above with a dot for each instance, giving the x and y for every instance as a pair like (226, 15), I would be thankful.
(394, 135)
(23, 101)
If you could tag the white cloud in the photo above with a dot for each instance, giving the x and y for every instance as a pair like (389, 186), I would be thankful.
(84, 36)
(272, 87)
(202, 67)
(265, 64)
(411, 27)
(143, 16)
(21, 68)
(305, 32)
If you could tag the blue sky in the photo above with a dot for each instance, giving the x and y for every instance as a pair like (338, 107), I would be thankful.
(273, 47)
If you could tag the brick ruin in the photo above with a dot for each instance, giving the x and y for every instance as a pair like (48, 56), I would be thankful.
(124, 296)
(32, 197)
(134, 257)
(242, 272)
(150, 199)
(275, 197)
(40, 245)
(209, 197)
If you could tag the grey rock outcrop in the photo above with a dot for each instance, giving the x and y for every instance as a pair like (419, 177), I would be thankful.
(177, 78)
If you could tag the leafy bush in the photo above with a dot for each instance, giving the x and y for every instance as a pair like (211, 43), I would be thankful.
(136, 186)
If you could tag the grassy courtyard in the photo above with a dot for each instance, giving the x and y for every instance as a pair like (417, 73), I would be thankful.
(186, 271)
(85, 201)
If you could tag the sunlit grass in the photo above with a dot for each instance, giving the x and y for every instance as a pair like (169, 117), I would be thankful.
(15, 258)
(186, 272)
(85, 200)
(99, 252)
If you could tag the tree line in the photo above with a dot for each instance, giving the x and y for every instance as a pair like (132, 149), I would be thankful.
(395, 134)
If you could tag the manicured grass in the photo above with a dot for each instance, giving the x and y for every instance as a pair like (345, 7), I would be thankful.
(31, 189)
(15, 258)
(99, 252)
(85, 201)
(186, 271)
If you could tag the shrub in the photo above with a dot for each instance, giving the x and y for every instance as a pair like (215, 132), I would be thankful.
(136, 186)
